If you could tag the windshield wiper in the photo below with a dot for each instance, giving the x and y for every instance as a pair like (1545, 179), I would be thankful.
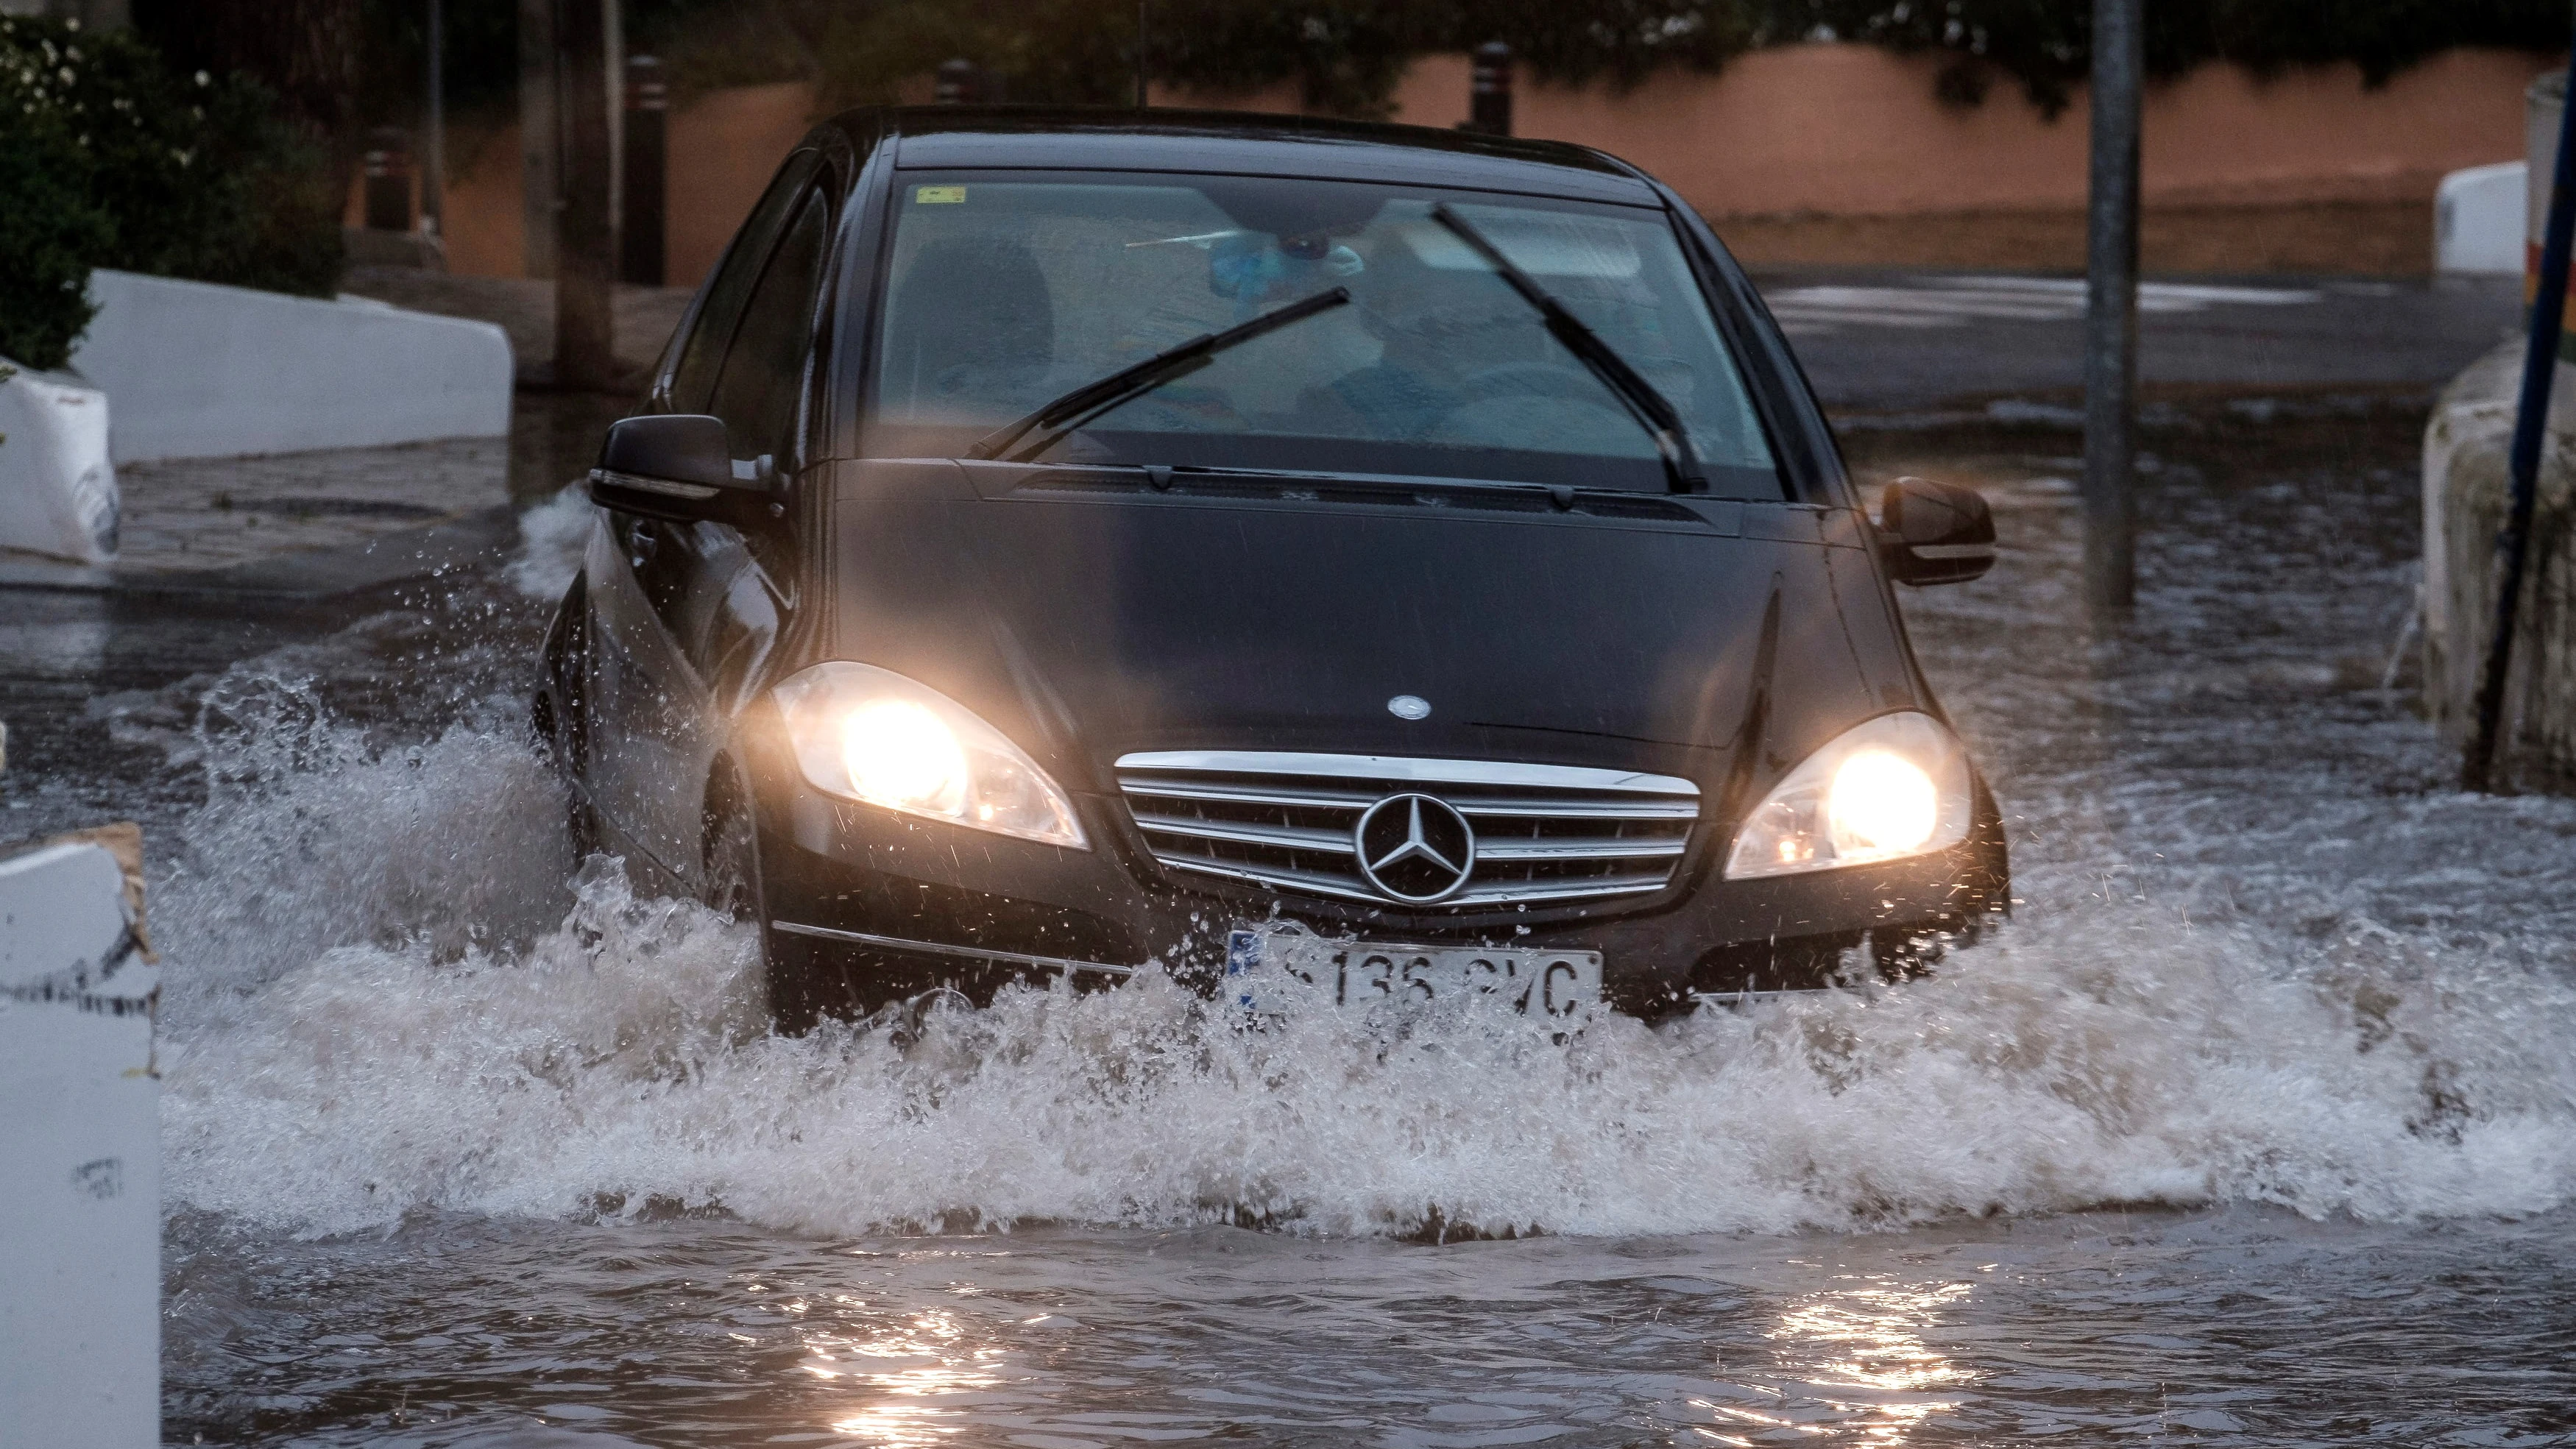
(1649, 407)
(1092, 399)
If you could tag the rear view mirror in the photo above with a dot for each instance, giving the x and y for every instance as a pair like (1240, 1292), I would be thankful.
(1935, 533)
(677, 466)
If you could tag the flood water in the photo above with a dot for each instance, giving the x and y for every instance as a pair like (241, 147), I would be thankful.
(2258, 1122)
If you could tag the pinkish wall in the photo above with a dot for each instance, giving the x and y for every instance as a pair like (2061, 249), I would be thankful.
(724, 147)
(1855, 130)
(1831, 130)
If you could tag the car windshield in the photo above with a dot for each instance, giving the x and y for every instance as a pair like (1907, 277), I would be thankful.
(1006, 290)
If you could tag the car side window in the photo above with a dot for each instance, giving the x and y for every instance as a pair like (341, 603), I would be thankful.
(693, 378)
(757, 391)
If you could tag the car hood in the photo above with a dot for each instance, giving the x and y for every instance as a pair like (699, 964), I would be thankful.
(1090, 615)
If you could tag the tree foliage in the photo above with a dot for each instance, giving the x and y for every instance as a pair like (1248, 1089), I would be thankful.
(108, 159)
(2046, 45)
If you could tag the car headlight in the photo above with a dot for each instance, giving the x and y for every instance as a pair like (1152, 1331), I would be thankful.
(1893, 787)
(869, 734)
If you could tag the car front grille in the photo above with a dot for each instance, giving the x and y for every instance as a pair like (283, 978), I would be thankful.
(1294, 821)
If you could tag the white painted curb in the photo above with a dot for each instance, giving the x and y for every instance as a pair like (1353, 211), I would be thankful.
(2478, 218)
(57, 487)
(80, 1159)
(201, 371)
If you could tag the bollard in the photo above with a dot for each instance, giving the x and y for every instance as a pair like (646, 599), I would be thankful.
(387, 167)
(2111, 311)
(433, 174)
(80, 1149)
(1489, 90)
(640, 233)
(2548, 316)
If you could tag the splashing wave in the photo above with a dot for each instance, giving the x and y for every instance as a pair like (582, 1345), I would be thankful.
(385, 998)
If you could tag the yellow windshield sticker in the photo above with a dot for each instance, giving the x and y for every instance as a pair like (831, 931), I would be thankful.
(933, 195)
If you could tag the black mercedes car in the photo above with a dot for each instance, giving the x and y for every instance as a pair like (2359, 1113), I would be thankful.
(1396, 561)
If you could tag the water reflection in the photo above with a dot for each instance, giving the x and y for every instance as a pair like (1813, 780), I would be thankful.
(1855, 1361)
(920, 1403)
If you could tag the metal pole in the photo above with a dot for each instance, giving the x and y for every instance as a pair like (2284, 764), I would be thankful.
(433, 176)
(2530, 422)
(2111, 312)
(642, 203)
(540, 137)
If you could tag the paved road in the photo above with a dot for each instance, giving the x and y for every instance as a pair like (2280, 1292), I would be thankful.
(1878, 341)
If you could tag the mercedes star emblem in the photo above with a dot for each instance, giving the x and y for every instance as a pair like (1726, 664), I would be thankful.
(1415, 848)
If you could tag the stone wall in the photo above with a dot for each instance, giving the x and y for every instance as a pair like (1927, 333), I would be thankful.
(2466, 473)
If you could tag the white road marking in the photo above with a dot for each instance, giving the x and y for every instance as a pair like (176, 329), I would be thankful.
(1957, 301)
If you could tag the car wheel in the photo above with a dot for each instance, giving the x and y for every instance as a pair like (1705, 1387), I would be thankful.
(732, 886)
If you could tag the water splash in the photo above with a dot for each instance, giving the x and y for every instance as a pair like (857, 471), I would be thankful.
(383, 1000)
(551, 536)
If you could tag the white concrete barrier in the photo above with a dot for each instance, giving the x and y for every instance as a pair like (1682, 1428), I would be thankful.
(57, 485)
(2467, 476)
(80, 1156)
(2478, 217)
(200, 371)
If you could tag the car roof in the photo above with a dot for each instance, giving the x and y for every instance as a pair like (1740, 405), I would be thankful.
(1237, 143)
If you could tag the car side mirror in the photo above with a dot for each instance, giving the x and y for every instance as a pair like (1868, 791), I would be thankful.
(678, 466)
(1935, 533)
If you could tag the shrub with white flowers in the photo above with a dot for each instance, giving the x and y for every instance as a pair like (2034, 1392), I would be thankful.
(107, 159)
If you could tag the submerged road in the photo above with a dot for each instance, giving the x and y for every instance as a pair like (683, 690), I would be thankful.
(2257, 1121)
(1888, 341)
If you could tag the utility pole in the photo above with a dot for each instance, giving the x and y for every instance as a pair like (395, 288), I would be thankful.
(2111, 311)
(646, 164)
(586, 265)
(433, 176)
(540, 138)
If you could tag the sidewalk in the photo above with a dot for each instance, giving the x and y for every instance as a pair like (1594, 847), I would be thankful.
(645, 317)
(308, 524)
(318, 524)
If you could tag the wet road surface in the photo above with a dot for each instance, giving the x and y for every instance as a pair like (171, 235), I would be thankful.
(1878, 341)
(2258, 1123)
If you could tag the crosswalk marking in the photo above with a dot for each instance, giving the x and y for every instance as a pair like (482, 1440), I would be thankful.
(1957, 301)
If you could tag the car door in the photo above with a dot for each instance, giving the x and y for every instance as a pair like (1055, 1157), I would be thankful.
(685, 612)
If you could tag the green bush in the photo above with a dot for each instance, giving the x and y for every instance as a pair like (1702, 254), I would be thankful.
(107, 160)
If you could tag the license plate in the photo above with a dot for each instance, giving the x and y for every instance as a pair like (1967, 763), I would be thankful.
(1265, 966)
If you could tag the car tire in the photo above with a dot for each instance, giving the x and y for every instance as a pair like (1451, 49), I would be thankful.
(732, 886)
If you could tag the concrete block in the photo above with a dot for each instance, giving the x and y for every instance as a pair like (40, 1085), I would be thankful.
(57, 485)
(80, 1156)
(2466, 479)
(2478, 220)
(200, 371)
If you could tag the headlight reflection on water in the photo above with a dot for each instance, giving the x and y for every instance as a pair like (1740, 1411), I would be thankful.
(921, 1403)
(1859, 1351)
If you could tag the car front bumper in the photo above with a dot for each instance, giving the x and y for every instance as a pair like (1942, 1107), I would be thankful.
(874, 905)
